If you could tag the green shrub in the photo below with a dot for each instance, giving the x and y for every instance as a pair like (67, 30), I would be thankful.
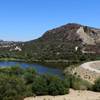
(17, 83)
(11, 88)
(80, 84)
(29, 74)
(53, 85)
(13, 70)
(77, 83)
(30, 70)
(39, 86)
(28, 92)
(58, 86)
(16, 70)
(96, 86)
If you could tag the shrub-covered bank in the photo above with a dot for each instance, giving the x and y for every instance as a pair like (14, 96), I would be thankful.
(17, 83)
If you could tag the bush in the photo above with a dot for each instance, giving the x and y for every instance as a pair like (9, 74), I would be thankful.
(29, 74)
(39, 86)
(53, 86)
(30, 70)
(58, 86)
(17, 83)
(96, 86)
(11, 88)
(16, 70)
(79, 84)
(13, 70)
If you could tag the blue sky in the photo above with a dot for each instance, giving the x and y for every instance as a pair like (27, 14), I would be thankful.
(23, 20)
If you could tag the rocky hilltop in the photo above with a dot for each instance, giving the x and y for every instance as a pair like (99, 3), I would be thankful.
(71, 31)
(65, 42)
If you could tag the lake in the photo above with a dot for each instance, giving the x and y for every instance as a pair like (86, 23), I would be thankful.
(39, 68)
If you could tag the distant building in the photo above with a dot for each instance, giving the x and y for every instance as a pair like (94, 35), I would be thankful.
(76, 48)
(16, 49)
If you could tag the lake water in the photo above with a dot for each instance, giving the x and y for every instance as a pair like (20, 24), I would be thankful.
(39, 68)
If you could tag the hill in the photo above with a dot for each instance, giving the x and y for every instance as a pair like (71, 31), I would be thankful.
(69, 43)
(65, 43)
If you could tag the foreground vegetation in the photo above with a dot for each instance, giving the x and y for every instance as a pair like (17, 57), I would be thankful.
(17, 83)
(96, 86)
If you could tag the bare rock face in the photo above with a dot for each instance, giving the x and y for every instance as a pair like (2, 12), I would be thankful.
(86, 38)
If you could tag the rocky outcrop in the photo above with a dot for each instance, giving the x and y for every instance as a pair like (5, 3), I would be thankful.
(89, 71)
(85, 37)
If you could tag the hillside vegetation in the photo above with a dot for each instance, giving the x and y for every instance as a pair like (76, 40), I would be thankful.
(16, 83)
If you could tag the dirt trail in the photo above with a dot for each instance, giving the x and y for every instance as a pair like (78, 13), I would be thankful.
(73, 95)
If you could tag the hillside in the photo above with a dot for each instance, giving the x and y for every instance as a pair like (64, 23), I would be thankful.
(65, 43)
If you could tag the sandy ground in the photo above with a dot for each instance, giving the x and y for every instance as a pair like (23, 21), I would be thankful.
(73, 95)
(91, 66)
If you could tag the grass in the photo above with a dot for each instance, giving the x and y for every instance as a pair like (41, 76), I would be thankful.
(10, 59)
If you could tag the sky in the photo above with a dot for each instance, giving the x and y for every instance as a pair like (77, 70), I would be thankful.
(23, 20)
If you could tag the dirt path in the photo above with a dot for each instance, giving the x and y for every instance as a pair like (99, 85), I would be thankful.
(88, 65)
(73, 95)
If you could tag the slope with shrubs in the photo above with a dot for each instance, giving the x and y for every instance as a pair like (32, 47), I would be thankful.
(96, 86)
(17, 83)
